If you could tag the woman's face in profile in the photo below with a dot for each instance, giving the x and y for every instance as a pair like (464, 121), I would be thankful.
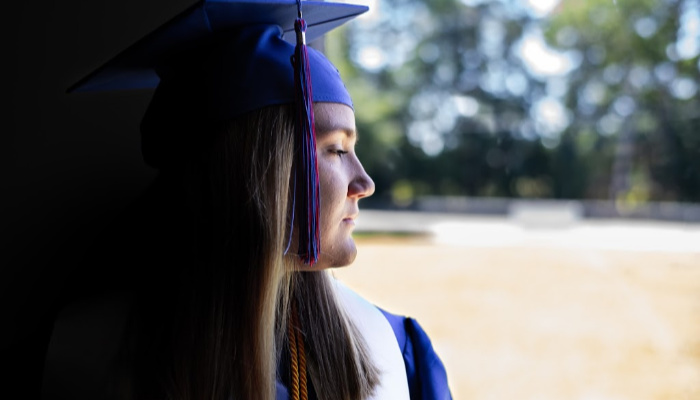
(343, 182)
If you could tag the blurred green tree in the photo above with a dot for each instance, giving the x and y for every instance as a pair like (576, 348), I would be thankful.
(637, 85)
(590, 99)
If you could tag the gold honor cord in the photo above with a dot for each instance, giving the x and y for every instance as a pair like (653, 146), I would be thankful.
(297, 357)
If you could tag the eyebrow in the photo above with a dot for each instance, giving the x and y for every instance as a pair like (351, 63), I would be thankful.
(349, 132)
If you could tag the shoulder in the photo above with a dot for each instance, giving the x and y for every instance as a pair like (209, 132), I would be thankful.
(425, 372)
(361, 311)
(380, 340)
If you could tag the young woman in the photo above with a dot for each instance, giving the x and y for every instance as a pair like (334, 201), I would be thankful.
(223, 290)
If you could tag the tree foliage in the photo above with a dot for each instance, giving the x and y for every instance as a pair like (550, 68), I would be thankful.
(591, 99)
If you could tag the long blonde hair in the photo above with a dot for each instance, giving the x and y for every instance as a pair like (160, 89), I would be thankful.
(217, 331)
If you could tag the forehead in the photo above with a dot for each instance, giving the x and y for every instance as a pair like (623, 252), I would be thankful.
(331, 117)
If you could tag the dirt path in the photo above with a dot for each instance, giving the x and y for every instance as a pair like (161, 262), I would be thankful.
(545, 323)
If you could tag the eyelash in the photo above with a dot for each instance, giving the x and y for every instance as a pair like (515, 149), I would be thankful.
(340, 153)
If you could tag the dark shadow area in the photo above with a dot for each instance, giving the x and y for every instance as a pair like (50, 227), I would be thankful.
(70, 163)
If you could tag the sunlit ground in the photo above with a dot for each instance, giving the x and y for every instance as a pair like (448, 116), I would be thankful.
(575, 310)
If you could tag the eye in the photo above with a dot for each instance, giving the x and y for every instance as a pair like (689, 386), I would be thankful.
(339, 153)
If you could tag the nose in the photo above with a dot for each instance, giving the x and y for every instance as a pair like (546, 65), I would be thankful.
(361, 185)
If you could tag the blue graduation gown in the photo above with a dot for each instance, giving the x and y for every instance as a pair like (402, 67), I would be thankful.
(427, 379)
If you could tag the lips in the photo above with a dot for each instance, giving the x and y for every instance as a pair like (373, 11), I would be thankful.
(351, 218)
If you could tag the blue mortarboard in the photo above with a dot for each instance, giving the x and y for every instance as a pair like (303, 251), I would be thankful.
(222, 58)
(256, 62)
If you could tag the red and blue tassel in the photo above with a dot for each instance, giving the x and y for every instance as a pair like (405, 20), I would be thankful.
(306, 164)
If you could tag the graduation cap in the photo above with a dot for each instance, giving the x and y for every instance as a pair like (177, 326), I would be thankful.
(222, 58)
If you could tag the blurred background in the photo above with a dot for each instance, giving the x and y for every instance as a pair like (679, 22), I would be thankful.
(547, 99)
(537, 166)
(537, 210)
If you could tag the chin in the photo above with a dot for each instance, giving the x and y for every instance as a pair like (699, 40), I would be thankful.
(337, 256)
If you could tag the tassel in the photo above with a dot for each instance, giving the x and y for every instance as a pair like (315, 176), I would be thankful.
(306, 164)
(297, 355)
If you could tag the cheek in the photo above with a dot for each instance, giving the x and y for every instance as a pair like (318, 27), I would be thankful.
(333, 189)
(337, 246)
